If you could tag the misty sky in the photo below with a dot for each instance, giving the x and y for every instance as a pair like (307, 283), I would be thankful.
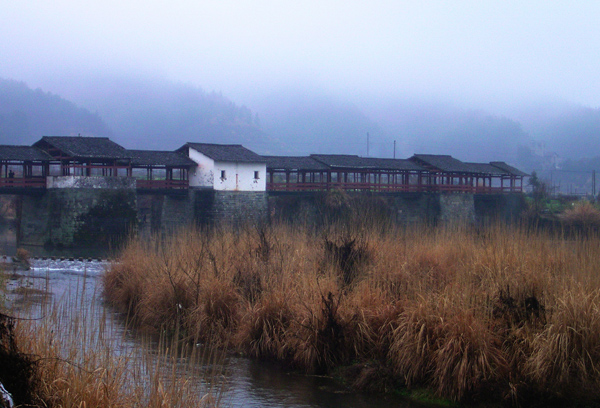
(472, 52)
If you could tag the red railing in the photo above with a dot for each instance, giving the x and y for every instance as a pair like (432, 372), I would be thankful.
(21, 182)
(169, 184)
(323, 186)
(40, 182)
(94, 169)
(461, 188)
(374, 187)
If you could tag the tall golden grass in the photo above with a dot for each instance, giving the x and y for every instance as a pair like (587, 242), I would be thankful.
(82, 358)
(503, 312)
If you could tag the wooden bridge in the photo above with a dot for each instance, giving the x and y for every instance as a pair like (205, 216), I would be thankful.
(420, 173)
(26, 168)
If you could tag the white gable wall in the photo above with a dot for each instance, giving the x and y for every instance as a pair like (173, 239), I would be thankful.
(238, 176)
(203, 174)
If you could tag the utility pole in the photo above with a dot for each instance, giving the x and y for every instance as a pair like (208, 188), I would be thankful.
(394, 149)
(367, 144)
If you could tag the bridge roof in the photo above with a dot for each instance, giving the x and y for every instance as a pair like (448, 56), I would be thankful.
(226, 152)
(509, 169)
(84, 147)
(443, 162)
(22, 154)
(365, 163)
(305, 163)
(486, 168)
(159, 158)
(393, 164)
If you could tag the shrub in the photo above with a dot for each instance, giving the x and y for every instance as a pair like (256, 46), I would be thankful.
(447, 348)
(584, 215)
(22, 255)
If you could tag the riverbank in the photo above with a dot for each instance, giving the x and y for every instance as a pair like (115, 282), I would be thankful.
(504, 314)
(79, 354)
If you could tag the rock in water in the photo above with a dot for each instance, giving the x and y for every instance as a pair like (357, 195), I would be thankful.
(6, 400)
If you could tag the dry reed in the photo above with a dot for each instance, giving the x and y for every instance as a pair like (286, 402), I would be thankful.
(82, 358)
(505, 311)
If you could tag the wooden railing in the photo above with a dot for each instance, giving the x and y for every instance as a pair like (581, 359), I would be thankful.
(374, 187)
(323, 186)
(40, 182)
(23, 182)
(95, 170)
(459, 188)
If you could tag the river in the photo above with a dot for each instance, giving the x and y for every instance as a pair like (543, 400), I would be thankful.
(248, 383)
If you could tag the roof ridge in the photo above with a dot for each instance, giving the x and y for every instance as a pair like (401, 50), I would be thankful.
(217, 144)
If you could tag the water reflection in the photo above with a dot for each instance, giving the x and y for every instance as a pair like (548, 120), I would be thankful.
(265, 384)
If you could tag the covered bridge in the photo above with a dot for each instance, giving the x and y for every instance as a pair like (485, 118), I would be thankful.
(160, 169)
(445, 173)
(235, 168)
(420, 173)
(85, 156)
(345, 172)
(23, 166)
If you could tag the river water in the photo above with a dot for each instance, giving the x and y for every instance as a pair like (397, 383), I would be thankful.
(247, 382)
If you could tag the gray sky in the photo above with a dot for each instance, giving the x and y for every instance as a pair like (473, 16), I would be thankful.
(472, 52)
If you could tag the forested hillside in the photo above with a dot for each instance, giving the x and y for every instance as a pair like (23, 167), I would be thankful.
(160, 114)
(26, 115)
(137, 114)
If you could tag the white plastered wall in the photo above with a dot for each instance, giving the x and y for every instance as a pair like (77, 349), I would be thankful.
(240, 176)
(203, 174)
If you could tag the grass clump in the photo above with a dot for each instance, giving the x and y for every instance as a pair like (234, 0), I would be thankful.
(18, 370)
(504, 313)
(76, 355)
(583, 215)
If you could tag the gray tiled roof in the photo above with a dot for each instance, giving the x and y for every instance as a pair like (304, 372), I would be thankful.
(322, 162)
(393, 164)
(159, 158)
(85, 147)
(22, 153)
(508, 168)
(341, 160)
(443, 162)
(371, 163)
(230, 153)
(316, 162)
(486, 168)
(294, 163)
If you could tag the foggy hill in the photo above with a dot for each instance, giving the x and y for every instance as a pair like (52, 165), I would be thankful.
(159, 114)
(314, 123)
(26, 115)
(572, 131)
(322, 124)
(437, 128)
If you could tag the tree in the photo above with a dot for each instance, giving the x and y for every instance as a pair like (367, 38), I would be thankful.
(539, 192)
